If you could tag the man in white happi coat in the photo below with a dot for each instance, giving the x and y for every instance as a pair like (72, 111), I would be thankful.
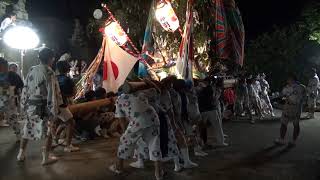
(8, 107)
(143, 123)
(294, 94)
(255, 101)
(312, 93)
(41, 100)
(265, 88)
(168, 140)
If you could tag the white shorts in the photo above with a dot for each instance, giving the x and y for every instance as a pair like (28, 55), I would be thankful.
(291, 113)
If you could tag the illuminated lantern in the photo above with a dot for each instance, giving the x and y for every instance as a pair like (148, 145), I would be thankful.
(167, 17)
(115, 32)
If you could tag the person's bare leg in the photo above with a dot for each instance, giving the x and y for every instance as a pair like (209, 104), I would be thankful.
(186, 155)
(69, 132)
(283, 132)
(311, 112)
(46, 158)
(59, 131)
(70, 127)
(158, 170)
(296, 132)
(22, 150)
(120, 165)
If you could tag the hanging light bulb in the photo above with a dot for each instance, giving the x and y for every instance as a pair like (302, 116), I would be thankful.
(166, 16)
(115, 32)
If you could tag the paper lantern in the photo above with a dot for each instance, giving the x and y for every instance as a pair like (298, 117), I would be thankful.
(167, 17)
(115, 32)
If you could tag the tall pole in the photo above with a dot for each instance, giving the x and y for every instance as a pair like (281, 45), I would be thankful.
(22, 54)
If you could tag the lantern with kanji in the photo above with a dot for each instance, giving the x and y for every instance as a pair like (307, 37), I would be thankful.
(115, 32)
(166, 16)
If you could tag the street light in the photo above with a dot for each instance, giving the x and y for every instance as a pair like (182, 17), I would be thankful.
(21, 38)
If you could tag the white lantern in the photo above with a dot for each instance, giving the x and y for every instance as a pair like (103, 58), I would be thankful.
(115, 32)
(167, 17)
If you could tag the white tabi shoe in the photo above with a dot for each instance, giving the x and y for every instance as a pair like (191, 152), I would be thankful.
(48, 159)
(113, 168)
(21, 156)
(138, 164)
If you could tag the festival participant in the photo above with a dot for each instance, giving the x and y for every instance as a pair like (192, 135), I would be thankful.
(177, 137)
(41, 100)
(257, 88)
(8, 106)
(254, 99)
(116, 127)
(265, 88)
(242, 104)
(203, 133)
(15, 80)
(68, 90)
(312, 92)
(8, 21)
(13, 67)
(182, 121)
(229, 99)
(168, 142)
(294, 94)
(194, 116)
(256, 84)
(107, 124)
(143, 123)
(210, 108)
(98, 79)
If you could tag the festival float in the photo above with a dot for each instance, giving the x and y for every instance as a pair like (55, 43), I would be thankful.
(118, 54)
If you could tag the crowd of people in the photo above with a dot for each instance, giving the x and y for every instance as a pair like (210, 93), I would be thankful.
(252, 97)
(157, 121)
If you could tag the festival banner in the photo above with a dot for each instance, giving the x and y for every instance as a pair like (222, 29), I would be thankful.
(186, 54)
(236, 31)
(220, 30)
(117, 66)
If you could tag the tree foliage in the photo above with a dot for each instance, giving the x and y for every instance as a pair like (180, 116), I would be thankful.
(286, 50)
(311, 21)
(133, 16)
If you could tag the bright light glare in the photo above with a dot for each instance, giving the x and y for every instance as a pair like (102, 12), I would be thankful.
(21, 37)
(162, 75)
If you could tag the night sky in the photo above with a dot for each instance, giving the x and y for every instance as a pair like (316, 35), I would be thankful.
(258, 15)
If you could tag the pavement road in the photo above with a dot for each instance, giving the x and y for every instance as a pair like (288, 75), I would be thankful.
(251, 156)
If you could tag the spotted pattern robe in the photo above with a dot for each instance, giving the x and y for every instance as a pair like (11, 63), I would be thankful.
(41, 100)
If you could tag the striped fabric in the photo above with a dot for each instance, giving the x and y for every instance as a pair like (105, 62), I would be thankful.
(236, 31)
(220, 34)
(148, 40)
(186, 54)
(229, 33)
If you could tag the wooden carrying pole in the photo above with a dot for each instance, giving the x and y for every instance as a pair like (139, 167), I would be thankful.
(87, 107)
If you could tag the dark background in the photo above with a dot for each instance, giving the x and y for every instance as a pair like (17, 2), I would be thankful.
(258, 15)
